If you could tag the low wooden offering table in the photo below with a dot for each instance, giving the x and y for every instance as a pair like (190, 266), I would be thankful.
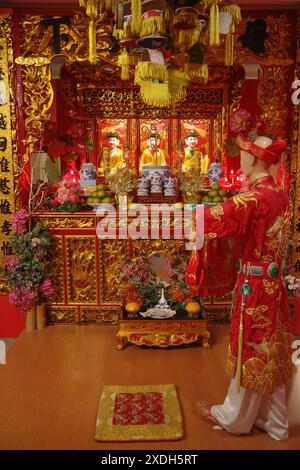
(163, 332)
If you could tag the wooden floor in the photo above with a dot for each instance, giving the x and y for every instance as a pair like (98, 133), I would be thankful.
(53, 379)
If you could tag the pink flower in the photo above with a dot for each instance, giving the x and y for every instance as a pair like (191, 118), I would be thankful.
(35, 242)
(20, 221)
(240, 121)
(11, 263)
(22, 298)
(46, 288)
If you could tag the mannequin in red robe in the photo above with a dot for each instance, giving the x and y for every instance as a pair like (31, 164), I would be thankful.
(259, 359)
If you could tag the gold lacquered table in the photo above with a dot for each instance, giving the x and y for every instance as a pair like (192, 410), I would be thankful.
(162, 333)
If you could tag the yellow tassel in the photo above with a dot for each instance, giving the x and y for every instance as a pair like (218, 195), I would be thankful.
(239, 360)
(229, 49)
(185, 39)
(92, 42)
(152, 71)
(197, 71)
(178, 81)
(134, 59)
(167, 15)
(235, 12)
(153, 25)
(214, 34)
(125, 72)
(188, 19)
(127, 29)
(118, 33)
(136, 10)
(91, 8)
(123, 62)
(155, 94)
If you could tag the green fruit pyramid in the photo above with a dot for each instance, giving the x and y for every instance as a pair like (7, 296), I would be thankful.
(215, 194)
(101, 195)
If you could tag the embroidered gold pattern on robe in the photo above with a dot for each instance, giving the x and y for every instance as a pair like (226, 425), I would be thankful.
(217, 212)
(243, 199)
(261, 376)
(270, 286)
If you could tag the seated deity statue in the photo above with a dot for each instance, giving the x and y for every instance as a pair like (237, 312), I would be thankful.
(152, 155)
(194, 160)
(115, 159)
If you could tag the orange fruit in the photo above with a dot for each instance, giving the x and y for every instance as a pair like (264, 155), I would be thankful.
(193, 307)
(132, 307)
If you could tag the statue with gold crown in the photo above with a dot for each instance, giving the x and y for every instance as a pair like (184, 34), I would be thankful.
(152, 155)
(194, 160)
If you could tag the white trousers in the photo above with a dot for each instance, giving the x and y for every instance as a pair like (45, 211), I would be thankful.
(240, 411)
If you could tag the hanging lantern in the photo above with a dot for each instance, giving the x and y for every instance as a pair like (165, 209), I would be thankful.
(153, 41)
(153, 22)
(187, 28)
(185, 18)
(186, 38)
(151, 67)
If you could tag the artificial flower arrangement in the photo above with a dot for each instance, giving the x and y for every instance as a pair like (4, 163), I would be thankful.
(292, 285)
(121, 181)
(26, 271)
(138, 283)
(69, 195)
(242, 122)
(140, 286)
(180, 295)
(69, 146)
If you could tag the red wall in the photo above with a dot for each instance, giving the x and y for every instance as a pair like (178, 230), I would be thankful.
(250, 103)
(11, 320)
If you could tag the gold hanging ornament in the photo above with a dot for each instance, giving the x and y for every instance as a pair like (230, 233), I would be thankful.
(185, 39)
(151, 67)
(214, 33)
(153, 22)
(124, 62)
(118, 31)
(91, 10)
(136, 9)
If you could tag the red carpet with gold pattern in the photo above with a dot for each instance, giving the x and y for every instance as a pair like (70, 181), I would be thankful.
(139, 413)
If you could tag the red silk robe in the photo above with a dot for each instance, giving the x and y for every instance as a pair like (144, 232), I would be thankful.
(260, 219)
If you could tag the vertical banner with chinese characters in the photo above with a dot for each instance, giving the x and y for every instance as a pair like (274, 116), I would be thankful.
(7, 202)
